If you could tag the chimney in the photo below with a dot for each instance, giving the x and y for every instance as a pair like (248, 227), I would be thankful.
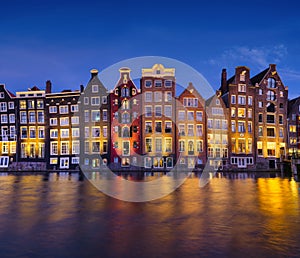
(48, 86)
(94, 73)
(223, 80)
(81, 88)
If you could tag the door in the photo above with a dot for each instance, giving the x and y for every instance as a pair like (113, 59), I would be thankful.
(64, 163)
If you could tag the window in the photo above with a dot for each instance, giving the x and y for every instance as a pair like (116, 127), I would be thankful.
(190, 130)
(260, 118)
(190, 102)
(241, 145)
(75, 132)
(249, 113)
(53, 109)
(233, 112)
(168, 127)
(148, 146)
(64, 133)
(95, 101)
(148, 127)
(292, 128)
(148, 96)
(32, 132)
(271, 83)
(233, 126)
(40, 115)
(250, 101)
(199, 130)
(158, 96)
(209, 123)
(4, 147)
(260, 92)
(4, 119)
(241, 127)
(95, 115)
(281, 132)
(168, 111)
(96, 131)
(126, 149)
(210, 152)
(168, 83)
(53, 133)
(158, 145)
(217, 111)
(95, 147)
(271, 132)
(12, 131)
(104, 115)
(40, 104)
(104, 131)
(168, 144)
(158, 111)
(11, 105)
(260, 104)
(63, 109)
(23, 150)
(148, 111)
(104, 148)
(190, 115)
(125, 132)
(249, 127)
(181, 129)
(158, 127)
(64, 148)
(270, 119)
(242, 87)
(125, 118)
(64, 121)
(53, 121)
(233, 99)
(148, 83)
(181, 115)
(3, 106)
(86, 100)
(53, 148)
(168, 96)
(199, 115)
(271, 95)
(224, 124)
(23, 104)
(181, 145)
(199, 146)
(104, 100)
(13, 147)
(23, 132)
(242, 100)
(125, 92)
(41, 132)
(74, 108)
(32, 117)
(241, 112)
(158, 83)
(30, 104)
(75, 120)
(95, 88)
(260, 131)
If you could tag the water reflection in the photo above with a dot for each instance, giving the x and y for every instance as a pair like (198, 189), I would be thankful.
(60, 215)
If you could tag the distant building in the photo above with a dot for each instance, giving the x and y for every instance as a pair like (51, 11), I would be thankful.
(125, 123)
(63, 129)
(190, 121)
(8, 137)
(158, 88)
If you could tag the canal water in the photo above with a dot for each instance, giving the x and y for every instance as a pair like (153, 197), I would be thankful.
(234, 215)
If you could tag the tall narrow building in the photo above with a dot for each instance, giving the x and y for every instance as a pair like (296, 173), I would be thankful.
(271, 117)
(238, 94)
(217, 132)
(158, 88)
(190, 121)
(94, 118)
(125, 123)
(8, 130)
(293, 128)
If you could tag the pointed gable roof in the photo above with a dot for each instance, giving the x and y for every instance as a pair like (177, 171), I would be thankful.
(259, 77)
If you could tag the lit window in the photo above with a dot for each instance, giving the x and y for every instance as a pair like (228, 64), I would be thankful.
(64, 121)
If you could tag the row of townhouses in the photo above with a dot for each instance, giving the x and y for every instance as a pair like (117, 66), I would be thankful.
(248, 124)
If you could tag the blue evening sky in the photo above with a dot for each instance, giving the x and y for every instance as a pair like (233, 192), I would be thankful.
(63, 40)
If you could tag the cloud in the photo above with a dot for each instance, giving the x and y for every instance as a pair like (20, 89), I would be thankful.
(255, 57)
